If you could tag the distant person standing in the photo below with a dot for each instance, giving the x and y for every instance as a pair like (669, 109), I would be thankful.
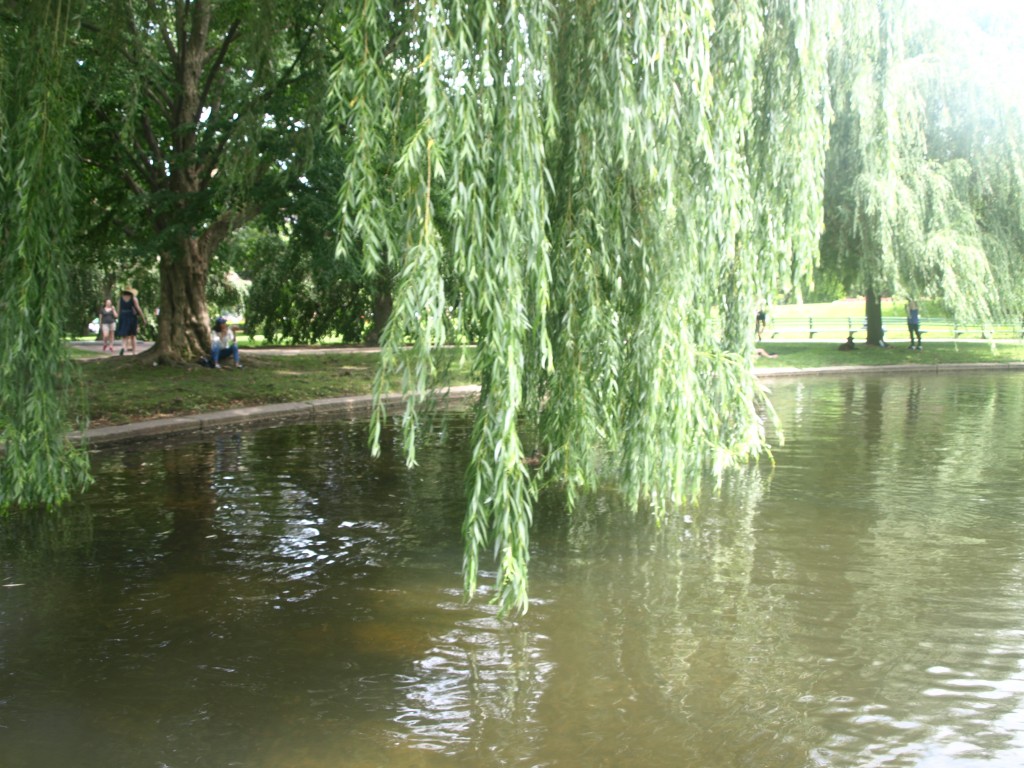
(108, 324)
(760, 321)
(914, 323)
(129, 316)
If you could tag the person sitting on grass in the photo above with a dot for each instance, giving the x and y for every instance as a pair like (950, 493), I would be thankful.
(224, 344)
(848, 345)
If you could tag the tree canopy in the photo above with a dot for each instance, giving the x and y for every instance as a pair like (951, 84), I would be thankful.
(195, 115)
(924, 175)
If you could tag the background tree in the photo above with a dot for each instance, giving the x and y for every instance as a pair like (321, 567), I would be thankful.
(195, 116)
(967, 165)
(923, 180)
(303, 289)
(862, 174)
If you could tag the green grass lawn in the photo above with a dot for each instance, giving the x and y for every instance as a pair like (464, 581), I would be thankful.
(806, 354)
(118, 390)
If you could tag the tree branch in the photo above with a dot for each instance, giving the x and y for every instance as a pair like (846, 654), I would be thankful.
(212, 158)
(168, 42)
(225, 224)
(151, 140)
(218, 62)
(133, 185)
(160, 98)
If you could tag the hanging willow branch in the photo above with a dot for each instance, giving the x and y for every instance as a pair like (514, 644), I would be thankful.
(610, 186)
(36, 188)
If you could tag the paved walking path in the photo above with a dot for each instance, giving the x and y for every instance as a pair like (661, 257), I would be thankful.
(95, 348)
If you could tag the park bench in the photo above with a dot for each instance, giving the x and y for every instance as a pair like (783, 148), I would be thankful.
(821, 327)
(1002, 331)
(933, 327)
(809, 326)
(945, 328)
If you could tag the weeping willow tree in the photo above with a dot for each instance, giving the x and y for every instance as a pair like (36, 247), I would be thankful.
(966, 164)
(862, 172)
(602, 190)
(37, 165)
(924, 172)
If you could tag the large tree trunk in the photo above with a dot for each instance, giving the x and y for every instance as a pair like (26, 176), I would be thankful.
(184, 321)
(383, 303)
(873, 314)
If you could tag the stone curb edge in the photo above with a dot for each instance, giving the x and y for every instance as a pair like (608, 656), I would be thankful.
(357, 405)
(353, 405)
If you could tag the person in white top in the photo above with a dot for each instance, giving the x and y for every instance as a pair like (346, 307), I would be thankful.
(224, 344)
(108, 323)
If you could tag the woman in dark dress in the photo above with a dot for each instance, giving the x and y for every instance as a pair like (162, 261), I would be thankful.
(129, 315)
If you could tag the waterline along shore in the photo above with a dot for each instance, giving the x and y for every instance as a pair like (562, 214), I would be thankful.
(360, 405)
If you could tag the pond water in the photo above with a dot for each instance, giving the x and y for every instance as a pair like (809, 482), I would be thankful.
(273, 598)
